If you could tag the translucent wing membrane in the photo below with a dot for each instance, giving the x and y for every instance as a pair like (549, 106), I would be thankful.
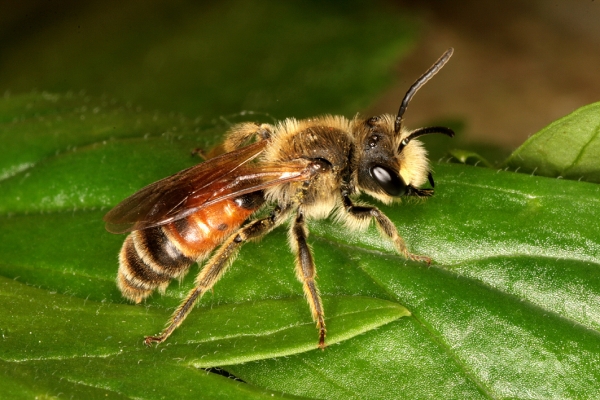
(227, 176)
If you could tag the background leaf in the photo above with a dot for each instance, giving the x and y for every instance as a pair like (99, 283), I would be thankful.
(567, 148)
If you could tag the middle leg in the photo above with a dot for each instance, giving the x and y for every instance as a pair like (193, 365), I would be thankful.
(305, 270)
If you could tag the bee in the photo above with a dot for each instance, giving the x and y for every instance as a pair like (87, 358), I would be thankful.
(298, 169)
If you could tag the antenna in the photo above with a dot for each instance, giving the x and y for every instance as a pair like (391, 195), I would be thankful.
(417, 85)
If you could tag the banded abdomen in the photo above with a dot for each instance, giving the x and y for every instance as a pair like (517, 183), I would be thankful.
(152, 257)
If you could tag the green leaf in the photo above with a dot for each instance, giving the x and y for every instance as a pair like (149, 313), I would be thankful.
(508, 309)
(511, 310)
(37, 127)
(225, 334)
(119, 377)
(567, 148)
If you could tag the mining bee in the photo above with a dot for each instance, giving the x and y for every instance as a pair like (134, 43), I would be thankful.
(300, 169)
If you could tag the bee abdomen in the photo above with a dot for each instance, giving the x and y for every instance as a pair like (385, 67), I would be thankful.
(151, 257)
(148, 260)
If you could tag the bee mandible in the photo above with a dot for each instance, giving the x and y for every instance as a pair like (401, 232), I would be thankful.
(300, 169)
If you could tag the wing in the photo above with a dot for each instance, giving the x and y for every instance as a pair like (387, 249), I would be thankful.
(177, 196)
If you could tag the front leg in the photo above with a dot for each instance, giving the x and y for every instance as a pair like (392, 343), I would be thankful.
(412, 191)
(305, 270)
(386, 227)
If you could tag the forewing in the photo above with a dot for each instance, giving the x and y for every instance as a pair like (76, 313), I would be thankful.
(151, 204)
(175, 197)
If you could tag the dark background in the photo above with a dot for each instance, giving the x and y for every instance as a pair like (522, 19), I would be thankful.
(518, 64)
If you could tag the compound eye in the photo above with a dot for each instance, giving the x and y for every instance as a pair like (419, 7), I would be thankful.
(391, 183)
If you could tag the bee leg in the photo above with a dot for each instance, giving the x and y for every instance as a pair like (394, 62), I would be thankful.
(305, 270)
(240, 134)
(216, 267)
(384, 224)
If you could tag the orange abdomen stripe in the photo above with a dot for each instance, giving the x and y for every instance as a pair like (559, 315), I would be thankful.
(198, 234)
(151, 258)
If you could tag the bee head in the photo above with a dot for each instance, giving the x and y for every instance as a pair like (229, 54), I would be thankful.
(390, 161)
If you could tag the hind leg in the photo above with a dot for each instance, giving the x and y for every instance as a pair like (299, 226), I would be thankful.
(240, 134)
(216, 267)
